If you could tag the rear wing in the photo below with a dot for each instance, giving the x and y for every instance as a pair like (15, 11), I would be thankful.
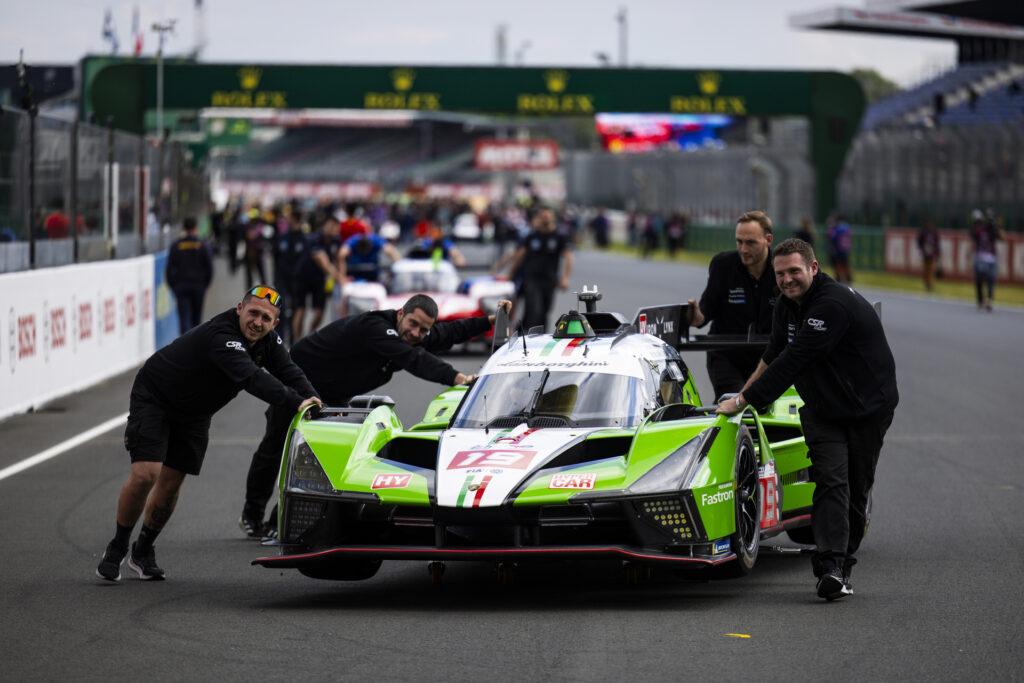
(671, 324)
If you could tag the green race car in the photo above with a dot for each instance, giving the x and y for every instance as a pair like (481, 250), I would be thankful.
(589, 443)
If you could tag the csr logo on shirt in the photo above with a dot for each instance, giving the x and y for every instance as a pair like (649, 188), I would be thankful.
(392, 332)
(236, 345)
(816, 324)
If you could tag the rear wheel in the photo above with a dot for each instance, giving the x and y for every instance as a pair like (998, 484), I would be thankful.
(746, 540)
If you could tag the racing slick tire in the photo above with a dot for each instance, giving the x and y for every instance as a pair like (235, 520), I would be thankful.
(746, 540)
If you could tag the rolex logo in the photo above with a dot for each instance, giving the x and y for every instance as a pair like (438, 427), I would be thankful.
(556, 79)
(249, 77)
(403, 79)
(708, 82)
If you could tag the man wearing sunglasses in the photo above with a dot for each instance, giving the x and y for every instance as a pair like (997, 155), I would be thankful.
(354, 356)
(173, 400)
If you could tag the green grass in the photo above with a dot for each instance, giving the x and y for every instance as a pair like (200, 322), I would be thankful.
(944, 289)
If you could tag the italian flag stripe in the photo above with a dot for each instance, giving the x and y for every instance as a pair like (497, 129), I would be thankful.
(548, 348)
(571, 346)
(480, 491)
(464, 491)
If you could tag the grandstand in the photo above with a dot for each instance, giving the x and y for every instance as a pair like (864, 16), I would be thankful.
(952, 144)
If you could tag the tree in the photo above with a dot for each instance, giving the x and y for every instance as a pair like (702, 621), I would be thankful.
(876, 86)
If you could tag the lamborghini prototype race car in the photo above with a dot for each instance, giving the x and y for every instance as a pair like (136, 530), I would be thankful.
(589, 443)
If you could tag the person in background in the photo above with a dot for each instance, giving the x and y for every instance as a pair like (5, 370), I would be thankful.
(840, 242)
(360, 257)
(173, 400)
(189, 274)
(984, 235)
(541, 255)
(315, 274)
(805, 230)
(930, 246)
(289, 246)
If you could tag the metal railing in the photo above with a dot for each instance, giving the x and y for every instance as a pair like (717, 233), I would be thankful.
(73, 192)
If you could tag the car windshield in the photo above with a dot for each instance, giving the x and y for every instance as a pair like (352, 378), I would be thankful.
(550, 399)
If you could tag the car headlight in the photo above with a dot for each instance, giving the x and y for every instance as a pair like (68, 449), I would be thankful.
(304, 471)
(672, 473)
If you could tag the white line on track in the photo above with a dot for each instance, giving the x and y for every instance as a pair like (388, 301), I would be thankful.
(63, 447)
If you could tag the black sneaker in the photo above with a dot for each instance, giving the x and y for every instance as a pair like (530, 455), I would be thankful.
(145, 565)
(110, 565)
(253, 528)
(832, 586)
(269, 531)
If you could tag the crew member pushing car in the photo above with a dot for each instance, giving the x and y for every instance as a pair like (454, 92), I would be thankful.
(173, 400)
(828, 342)
(353, 356)
(741, 292)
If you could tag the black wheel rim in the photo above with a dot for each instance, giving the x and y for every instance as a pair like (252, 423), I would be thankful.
(746, 495)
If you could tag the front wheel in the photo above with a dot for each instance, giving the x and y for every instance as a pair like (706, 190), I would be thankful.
(746, 540)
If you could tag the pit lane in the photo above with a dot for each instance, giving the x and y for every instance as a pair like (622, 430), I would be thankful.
(933, 590)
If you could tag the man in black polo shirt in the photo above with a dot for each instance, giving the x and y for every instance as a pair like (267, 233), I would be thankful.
(173, 400)
(538, 260)
(353, 356)
(828, 341)
(741, 292)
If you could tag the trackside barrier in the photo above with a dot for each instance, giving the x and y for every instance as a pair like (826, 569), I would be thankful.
(66, 328)
(957, 257)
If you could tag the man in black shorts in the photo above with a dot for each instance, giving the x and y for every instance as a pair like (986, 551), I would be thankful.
(741, 292)
(173, 400)
(318, 264)
(353, 356)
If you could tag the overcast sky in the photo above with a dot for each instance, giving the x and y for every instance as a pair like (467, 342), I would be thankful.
(661, 33)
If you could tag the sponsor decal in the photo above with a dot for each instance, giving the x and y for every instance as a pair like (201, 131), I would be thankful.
(569, 480)
(391, 481)
(714, 498)
(492, 457)
(769, 483)
(26, 336)
(109, 315)
(146, 306)
(236, 345)
(642, 323)
(392, 332)
(130, 311)
(818, 325)
(530, 363)
(737, 295)
(721, 547)
(58, 328)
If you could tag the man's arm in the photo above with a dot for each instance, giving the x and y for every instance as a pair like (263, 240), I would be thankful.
(738, 402)
(391, 252)
(343, 254)
(324, 263)
(456, 257)
(567, 263)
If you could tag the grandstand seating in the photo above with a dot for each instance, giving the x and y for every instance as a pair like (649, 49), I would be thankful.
(390, 156)
(917, 105)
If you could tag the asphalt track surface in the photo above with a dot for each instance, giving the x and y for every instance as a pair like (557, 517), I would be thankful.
(936, 588)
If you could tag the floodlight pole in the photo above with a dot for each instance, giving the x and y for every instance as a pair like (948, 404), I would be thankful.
(622, 19)
(163, 29)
